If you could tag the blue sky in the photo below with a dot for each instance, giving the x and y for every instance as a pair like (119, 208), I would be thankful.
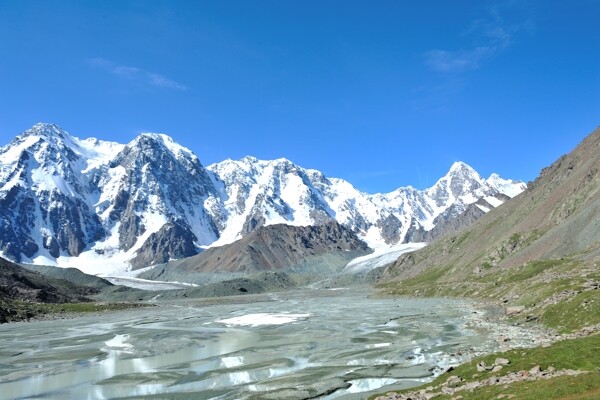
(381, 93)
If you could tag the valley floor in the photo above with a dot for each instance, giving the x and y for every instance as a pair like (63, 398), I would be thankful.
(330, 344)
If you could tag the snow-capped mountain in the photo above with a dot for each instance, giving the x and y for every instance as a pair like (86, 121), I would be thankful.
(104, 206)
(267, 192)
(83, 202)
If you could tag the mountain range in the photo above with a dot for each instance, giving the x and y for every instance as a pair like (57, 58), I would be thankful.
(106, 207)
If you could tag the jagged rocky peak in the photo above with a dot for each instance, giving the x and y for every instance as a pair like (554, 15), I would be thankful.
(44, 195)
(508, 187)
(158, 159)
(460, 179)
(45, 141)
(157, 181)
(459, 171)
(153, 145)
(46, 130)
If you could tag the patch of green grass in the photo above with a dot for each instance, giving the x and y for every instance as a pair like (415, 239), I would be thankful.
(581, 310)
(459, 240)
(529, 285)
(422, 283)
(20, 310)
(530, 270)
(579, 387)
(578, 354)
(486, 266)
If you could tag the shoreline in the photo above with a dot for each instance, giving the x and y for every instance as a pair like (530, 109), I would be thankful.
(491, 315)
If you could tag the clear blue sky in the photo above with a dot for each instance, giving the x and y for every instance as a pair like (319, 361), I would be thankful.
(381, 93)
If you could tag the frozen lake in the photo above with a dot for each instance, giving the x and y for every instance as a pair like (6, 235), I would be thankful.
(294, 345)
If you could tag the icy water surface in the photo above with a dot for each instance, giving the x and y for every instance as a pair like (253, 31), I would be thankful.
(307, 344)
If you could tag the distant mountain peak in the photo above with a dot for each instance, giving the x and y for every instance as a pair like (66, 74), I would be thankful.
(462, 169)
(46, 128)
(163, 141)
(248, 159)
(460, 166)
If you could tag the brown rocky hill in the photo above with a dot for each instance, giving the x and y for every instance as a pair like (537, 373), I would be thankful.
(18, 283)
(272, 248)
(20, 286)
(557, 216)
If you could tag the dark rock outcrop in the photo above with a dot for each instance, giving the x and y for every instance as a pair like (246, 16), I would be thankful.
(173, 241)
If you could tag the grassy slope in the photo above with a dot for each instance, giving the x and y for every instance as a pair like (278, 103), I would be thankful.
(554, 292)
(581, 354)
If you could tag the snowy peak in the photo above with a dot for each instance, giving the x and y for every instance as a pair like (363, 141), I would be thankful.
(46, 130)
(265, 192)
(165, 142)
(98, 199)
(508, 187)
(258, 193)
(106, 205)
(461, 180)
(45, 157)
(463, 177)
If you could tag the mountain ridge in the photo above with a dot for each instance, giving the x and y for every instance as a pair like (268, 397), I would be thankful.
(69, 201)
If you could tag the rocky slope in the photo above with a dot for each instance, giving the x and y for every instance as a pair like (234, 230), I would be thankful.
(19, 285)
(320, 250)
(538, 254)
(106, 207)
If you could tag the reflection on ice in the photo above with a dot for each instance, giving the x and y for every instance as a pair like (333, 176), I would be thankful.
(313, 341)
(118, 343)
(231, 362)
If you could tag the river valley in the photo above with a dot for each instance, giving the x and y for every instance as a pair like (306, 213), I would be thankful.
(327, 344)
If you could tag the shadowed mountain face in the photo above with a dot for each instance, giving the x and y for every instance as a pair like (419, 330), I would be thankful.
(276, 247)
(557, 216)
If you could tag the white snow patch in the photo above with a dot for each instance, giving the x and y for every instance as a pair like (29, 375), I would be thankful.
(259, 319)
(90, 263)
(232, 362)
(97, 153)
(48, 180)
(377, 345)
(508, 187)
(469, 198)
(380, 257)
(119, 343)
(146, 284)
(482, 208)
(493, 201)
